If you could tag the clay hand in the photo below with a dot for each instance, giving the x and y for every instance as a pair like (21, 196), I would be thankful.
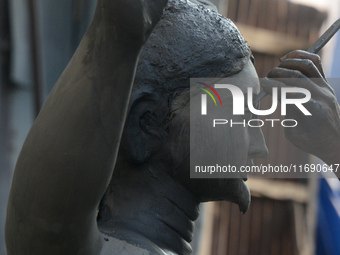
(318, 134)
(136, 18)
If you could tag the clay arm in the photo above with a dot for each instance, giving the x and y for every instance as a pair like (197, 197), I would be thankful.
(318, 134)
(69, 154)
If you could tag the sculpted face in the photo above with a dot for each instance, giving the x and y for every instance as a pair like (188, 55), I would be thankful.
(189, 42)
(243, 145)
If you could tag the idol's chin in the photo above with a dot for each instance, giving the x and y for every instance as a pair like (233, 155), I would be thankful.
(238, 193)
(243, 197)
(234, 190)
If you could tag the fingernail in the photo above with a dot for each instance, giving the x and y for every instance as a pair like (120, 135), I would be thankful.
(283, 58)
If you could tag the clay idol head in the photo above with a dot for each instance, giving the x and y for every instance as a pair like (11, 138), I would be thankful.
(190, 41)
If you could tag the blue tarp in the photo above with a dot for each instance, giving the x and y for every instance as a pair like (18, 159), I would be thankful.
(328, 227)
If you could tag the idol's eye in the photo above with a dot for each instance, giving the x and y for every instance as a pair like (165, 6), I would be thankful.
(252, 59)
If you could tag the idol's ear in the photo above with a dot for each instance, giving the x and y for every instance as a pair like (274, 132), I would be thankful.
(145, 129)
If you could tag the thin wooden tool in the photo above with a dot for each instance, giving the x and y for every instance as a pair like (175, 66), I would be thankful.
(315, 48)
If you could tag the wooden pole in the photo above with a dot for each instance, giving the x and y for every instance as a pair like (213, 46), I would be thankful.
(4, 43)
(37, 88)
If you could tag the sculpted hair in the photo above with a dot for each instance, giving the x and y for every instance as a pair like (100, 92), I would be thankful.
(190, 41)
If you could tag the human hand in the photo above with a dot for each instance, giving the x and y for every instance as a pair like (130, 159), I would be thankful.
(318, 134)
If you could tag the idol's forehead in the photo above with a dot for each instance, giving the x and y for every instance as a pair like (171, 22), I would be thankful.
(246, 78)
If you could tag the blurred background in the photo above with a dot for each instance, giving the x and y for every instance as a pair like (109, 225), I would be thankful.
(287, 217)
